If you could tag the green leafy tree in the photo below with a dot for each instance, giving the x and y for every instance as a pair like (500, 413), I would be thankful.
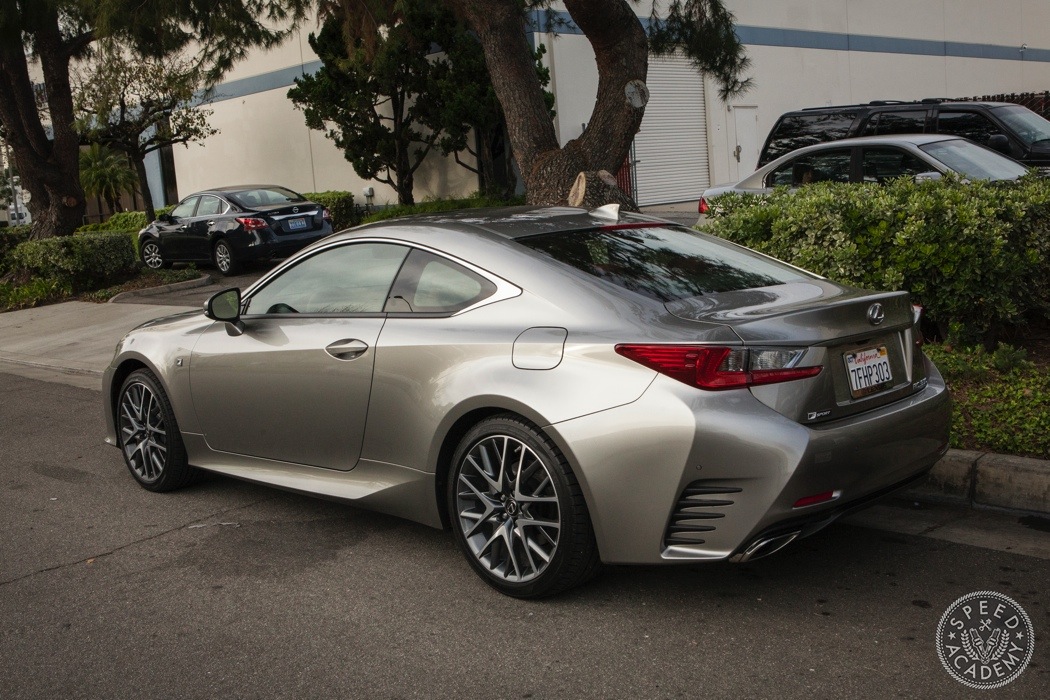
(375, 97)
(701, 29)
(105, 173)
(55, 32)
(138, 105)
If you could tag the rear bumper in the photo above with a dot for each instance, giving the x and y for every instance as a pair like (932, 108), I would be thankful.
(265, 244)
(748, 463)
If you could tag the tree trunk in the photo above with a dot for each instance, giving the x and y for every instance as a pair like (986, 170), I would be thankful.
(622, 57)
(50, 168)
(597, 188)
(147, 196)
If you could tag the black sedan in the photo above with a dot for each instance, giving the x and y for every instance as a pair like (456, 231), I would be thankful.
(229, 226)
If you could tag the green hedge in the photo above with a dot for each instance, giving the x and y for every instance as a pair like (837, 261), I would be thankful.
(976, 255)
(341, 206)
(9, 239)
(434, 206)
(80, 262)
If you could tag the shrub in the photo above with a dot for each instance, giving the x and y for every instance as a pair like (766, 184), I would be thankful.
(341, 206)
(9, 239)
(79, 262)
(122, 221)
(32, 293)
(974, 254)
(433, 206)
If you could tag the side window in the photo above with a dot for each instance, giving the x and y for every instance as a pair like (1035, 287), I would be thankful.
(829, 166)
(795, 131)
(431, 284)
(909, 122)
(185, 208)
(350, 279)
(969, 125)
(882, 164)
(210, 206)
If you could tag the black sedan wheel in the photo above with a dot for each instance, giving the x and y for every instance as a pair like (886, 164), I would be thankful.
(222, 255)
(152, 256)
(149, 436)
(518, 511)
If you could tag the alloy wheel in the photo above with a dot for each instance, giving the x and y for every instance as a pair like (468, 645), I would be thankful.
(223, 258)
(151, 256)
(143, 433)
(508, 510)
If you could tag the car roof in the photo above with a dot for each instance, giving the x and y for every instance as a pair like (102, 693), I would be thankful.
(517, 222)
(893, 104)
(233, 189)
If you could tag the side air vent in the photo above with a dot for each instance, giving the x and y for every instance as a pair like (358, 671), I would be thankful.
(697, 511)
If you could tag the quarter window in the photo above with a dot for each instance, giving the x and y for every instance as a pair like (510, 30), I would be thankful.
(350, 279)
(795, 131)
(429, 283)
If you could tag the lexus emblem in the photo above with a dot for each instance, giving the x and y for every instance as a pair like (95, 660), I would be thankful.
(876, 314)
(295, 210)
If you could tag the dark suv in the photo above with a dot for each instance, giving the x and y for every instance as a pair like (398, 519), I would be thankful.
(1011, 129)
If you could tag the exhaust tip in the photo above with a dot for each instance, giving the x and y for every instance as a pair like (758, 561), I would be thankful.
(764, 546)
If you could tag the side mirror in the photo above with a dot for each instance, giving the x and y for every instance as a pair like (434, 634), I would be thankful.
(999, 142)
(931, 175)
(226, 306)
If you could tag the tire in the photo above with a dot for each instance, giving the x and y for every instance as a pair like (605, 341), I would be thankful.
(151, 255)
(225, 262)
(507, 479)
(149, 435)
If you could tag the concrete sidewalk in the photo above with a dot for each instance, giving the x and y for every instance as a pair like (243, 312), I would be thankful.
(73, 343)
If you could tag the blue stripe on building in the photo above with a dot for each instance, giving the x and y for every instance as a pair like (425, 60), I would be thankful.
(561, 23)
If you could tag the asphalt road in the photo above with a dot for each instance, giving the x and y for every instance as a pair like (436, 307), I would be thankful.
(229, 590)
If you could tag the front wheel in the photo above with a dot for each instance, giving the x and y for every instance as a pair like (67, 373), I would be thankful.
(149, 436)
(152, 257)
(518, 512)
(222, 255)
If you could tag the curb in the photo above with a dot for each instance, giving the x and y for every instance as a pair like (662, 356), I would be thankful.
(202, 281)
(987, 480)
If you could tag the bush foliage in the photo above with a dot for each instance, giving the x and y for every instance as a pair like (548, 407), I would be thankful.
(434, 206)
(340, 204)
(976, 255)
(9, 239)
(77, 262)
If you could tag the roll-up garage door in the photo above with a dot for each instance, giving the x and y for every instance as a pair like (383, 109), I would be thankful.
(671, 146)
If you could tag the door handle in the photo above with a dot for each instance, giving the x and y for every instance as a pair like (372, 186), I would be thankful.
(739, 149)
(347, 349)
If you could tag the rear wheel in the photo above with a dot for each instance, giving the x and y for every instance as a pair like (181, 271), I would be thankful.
(518, 512)
(222, 255)
(152, 257)
(149, 436)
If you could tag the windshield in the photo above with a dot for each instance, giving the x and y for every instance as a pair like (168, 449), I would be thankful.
(973, 161)
(265, 196)
(666, 264)
(1026, 124)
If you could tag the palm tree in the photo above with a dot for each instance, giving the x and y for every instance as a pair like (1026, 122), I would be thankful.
(107, 174)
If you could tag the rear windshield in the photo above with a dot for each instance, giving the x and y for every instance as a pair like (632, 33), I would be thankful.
(265, 196)
(665, 264)
(973, 161)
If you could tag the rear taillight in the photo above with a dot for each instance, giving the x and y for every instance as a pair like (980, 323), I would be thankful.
(703, 207)
(326, 215)
(916, 311)
(715, 368)
(251, 223)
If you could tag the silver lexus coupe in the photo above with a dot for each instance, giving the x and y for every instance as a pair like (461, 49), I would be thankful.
(559, 387)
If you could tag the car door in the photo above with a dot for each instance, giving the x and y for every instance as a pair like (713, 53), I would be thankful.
(831, 165)
(879, 164)
(295, 385)
(198, 231)
(172, 233)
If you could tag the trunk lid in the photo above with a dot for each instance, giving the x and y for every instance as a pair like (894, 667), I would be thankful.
(836, 325)
(293, 217)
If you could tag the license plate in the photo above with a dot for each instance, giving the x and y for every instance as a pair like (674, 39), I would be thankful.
(868, 371)
(297, 224)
